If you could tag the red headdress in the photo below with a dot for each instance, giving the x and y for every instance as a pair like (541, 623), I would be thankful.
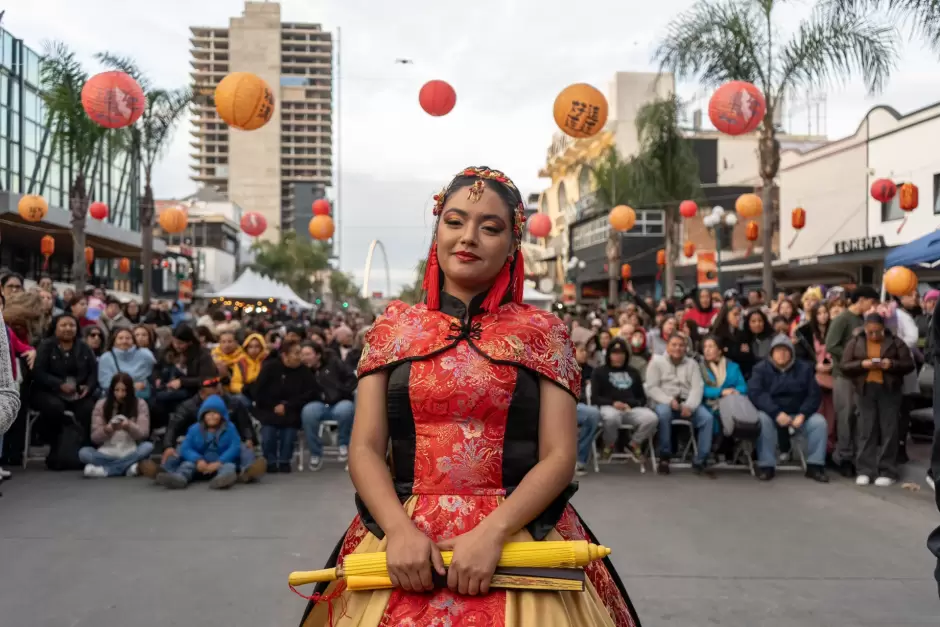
(511, 277)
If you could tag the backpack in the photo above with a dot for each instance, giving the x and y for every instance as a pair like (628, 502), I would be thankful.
(739, 417)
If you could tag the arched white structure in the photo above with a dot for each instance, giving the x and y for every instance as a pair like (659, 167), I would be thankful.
(388, 275)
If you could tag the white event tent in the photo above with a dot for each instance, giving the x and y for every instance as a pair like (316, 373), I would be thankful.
(253, 286)
(531, 296)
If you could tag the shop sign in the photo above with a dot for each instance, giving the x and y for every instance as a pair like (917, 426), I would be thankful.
(860, 244)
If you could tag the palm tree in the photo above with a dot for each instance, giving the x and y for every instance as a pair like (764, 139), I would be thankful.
(291, 261)
(666, 172)
(920, 17)
(152, 134)
(74, 134)
(722, 40)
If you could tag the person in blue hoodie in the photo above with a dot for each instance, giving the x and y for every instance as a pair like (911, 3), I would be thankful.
(210, 450)
(124, 356)
(786, 395)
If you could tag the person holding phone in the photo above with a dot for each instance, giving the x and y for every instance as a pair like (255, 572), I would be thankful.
(876, 360)
(120, 426)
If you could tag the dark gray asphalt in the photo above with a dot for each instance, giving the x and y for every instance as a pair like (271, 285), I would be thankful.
(692, 552)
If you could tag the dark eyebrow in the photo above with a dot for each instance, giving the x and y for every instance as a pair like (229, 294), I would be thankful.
(489, 216)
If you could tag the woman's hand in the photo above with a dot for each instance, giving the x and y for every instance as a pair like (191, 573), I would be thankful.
(409, 556)
(30, 358)
(823, 368)
(175, 384)
(476, 554)
(728, 392)
(140, 385)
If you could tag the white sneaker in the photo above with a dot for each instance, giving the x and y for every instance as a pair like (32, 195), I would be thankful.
(884, 482)
(92, 471)
(132, 471)
(5, 474)
(343, 454)
(580, 470)
(316, 463)
(862, 480)
(930, 481)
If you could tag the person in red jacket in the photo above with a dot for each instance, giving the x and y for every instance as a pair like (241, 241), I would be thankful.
(703, 314)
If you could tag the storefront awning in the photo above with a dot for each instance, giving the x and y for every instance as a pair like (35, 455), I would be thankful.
(924, 251)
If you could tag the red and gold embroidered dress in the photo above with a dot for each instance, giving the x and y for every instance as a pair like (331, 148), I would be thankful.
(463, 413)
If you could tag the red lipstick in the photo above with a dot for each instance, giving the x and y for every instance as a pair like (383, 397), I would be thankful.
(466, 257)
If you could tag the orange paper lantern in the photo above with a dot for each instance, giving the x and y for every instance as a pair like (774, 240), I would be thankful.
(622, 218)
(749, 206)
(173, 220)
(540, 225)
(660, 257)
(688, 208)
(580, 110)
(33, 208)
(908, 196)
(98, 210)
(798, 218)
(736, 108)
(321, 207)
(124, 265)
(113, 99)
(437, 98)
(244, 101)
(253, 224)
(321, 227)
(900, 281)
(89, 255)
(47, 248)
(752, 231)
(626, 271)
(688, 249)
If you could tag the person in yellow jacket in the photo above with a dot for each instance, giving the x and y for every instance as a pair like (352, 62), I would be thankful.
(232, 361)
(256, 351)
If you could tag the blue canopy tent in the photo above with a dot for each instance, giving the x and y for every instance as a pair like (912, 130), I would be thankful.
(923, 252)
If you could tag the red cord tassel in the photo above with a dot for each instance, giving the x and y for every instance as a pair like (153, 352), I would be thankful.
(432, 281)
(498, 292)
(45, 263)
(518, 278)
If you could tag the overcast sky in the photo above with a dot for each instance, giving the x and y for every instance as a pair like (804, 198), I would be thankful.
(507, 59)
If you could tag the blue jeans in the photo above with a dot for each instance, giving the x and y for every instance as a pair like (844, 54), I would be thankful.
(588, 420)
(277, 444)
(342, 412)
(115, 466)
(813, 429)
(187, 470)
(703, 422)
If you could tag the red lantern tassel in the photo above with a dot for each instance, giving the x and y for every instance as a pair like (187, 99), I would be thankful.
(518, 278)
(45, 263)
(903, 222)
(793, 241)
(495, 298)
(432, 281)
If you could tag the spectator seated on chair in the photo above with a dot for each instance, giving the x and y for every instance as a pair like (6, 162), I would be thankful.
(785, 393)
(617, 389)
(124, 356)
(336, 384)
(120, 424)
(210, 450)
(187, 413)
(283, 388)
(233, 365)
(589, 417)
(256, 351)
(722, 376)
(674, 385)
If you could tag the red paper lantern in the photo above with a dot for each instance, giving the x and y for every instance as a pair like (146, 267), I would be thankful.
(98, 210)
(321, 207)
(47, 248)
(688, 249)
(660, 257)
(752, 231)
(89, 257)
(437, 98)
(883, 190)
(737, 108)
(798, 218)
(113, 99)
(253, 224)
(626, 272)
(688, 208)
(124, 265)
(540, 225)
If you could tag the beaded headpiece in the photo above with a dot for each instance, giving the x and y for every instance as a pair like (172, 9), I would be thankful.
(476, 191)
(511, 278)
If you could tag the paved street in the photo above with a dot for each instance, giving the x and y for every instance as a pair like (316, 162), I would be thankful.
(692, 552)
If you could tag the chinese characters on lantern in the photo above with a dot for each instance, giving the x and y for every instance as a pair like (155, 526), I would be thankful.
(583, 117)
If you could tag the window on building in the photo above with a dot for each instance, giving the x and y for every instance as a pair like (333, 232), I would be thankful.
(597, 230)
(562, 198)
(936, 193)
(584, 182)
(891, 210)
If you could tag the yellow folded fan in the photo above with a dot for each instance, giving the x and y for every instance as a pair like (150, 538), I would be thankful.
(575, 554)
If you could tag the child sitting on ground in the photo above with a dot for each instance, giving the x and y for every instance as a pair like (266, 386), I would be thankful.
(211, 449)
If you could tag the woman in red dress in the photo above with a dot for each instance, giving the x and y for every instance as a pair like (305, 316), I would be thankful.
(477, 394)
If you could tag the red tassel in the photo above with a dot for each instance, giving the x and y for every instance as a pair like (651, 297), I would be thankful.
(518, 278)
(498, 292)
(432, 281)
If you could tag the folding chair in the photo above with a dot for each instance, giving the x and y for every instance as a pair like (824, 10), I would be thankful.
(628, 456)
(331, 427)
(690, 447)
(31, 417)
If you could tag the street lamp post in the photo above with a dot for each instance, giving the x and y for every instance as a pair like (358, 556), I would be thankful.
(714, 221)
(575, 266)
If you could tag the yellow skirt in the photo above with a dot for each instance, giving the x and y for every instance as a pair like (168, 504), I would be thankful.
(603, 603)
